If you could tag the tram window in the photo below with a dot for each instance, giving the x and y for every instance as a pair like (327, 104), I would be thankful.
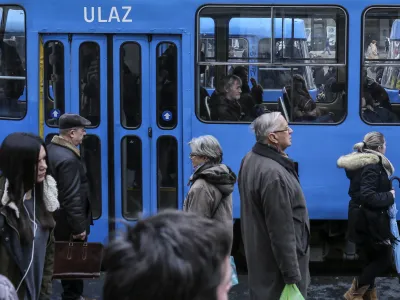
(167, 85)
(13, 90)
(296, 62)
(131, 92)
(238, 50)
(54, 85)
(132, 192)
(91, 155)
(380, 76)
(89, 82)
(167, 170)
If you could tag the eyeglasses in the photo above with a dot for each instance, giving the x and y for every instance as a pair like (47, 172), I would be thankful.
(284, 130)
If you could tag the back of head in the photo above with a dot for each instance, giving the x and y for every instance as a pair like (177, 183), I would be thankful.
(169, 256)
(372, 141)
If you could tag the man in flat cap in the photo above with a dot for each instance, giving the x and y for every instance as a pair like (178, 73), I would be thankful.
(75, 215)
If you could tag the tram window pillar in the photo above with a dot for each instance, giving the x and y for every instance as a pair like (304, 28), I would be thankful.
(221, 47)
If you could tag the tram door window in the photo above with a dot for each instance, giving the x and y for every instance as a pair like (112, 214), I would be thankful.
(380, 76)
(283, 71)
(91, 155)
(132, 188)
(89, 77)
(131, 94)
(54, 83)
(13, 91)
(147, 127)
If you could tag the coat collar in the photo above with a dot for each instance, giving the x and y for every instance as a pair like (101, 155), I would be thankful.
(358, 160)
(50, 196)
(58, 140)
(282, 159)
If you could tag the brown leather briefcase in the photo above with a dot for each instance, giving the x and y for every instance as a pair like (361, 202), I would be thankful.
(77, 260)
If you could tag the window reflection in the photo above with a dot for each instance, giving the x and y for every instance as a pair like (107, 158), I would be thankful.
(167, 85)
(54, 93)
(380, 100)
(130, 76)
(89, 76)
(298, 50)
(13, 101)
(167, 165)
(132, 192)
(91, 156)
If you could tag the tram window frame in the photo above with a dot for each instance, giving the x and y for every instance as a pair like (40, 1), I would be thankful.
(367, 63)
(23, 61)
(339, 63)
(123, 120)
(46, 85)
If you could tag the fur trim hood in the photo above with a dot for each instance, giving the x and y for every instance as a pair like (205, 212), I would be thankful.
(50, 196)
(358, 160)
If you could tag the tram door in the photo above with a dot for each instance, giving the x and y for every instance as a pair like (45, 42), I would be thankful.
(74, 74)
(148, 125)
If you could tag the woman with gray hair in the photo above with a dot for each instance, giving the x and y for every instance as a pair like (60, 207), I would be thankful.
(212, 182)
(368, 221)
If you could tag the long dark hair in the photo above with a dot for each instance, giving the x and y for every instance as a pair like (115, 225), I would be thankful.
(19, 154)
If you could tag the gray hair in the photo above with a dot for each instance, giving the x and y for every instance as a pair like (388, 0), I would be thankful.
(227, 82)
(265, 124)
(372, 140)
(207, 146)
(64, 132)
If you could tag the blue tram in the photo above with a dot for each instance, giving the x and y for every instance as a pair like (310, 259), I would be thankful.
(135, 69)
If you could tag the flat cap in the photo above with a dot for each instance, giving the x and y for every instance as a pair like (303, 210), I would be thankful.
(68, 121)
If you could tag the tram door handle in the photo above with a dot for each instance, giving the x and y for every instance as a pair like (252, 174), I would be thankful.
(150, 132)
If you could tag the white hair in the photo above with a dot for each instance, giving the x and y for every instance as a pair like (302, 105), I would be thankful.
(207, 146)
(265, 124)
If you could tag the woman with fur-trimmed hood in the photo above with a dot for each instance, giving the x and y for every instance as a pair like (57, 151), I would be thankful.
(28, 198)
(368, 221)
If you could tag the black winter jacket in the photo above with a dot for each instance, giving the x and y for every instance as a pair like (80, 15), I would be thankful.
(75, 215)
(368, 219)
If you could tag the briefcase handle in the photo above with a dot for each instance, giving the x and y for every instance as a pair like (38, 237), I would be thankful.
(71, 241)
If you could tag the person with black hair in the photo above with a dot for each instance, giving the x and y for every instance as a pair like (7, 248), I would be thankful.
(28, 198)
(172, 255)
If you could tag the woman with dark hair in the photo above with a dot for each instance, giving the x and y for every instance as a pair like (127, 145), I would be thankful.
(368, 222)
(28, 197)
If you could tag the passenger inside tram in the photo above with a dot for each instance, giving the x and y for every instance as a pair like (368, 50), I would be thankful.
(11, 89)
(304, 107)
(375, 103)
